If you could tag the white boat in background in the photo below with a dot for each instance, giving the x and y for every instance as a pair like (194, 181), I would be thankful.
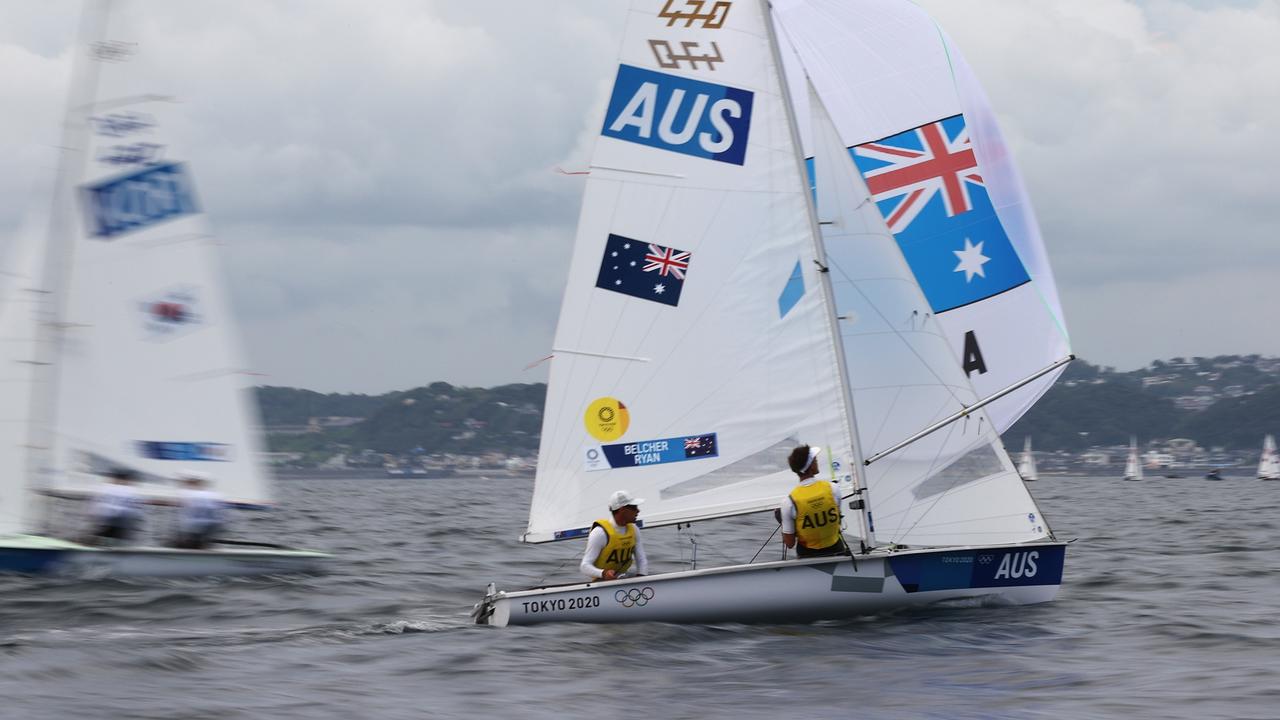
(119, 350)
(798, 227)
(1133, 465)
(1027, 464)
(1269, 463)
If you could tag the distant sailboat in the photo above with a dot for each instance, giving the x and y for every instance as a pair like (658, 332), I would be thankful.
(1269, 463)
(726, 301)
(1027, 464)
(1133, 466)
(119, 350)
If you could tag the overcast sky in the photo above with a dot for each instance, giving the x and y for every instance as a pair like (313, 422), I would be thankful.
(382, 174)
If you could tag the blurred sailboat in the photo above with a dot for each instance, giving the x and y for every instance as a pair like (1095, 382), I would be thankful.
(119, 349)
(1269, 463)
(1133, 465)
(1027, 464)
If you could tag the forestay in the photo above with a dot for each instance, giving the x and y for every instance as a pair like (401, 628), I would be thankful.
(919, 128)
(141, 367)
(693, 348)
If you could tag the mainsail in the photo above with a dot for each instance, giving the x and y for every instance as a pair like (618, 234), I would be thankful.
(693, 348)
(136, 359)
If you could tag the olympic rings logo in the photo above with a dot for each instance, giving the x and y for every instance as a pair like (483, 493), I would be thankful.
(637, 597)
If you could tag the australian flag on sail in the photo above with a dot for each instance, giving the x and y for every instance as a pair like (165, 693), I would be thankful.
(929, 188)
(643, 270)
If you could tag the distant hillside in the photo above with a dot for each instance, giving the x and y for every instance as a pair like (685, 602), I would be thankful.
(1226, 401)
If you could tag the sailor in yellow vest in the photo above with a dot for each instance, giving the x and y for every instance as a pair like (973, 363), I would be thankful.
(811, 512)
(613, 547)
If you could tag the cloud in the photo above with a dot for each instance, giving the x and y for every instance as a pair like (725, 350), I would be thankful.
(382, 176)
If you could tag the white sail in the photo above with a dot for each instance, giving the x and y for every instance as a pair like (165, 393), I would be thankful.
(1133, 465)
(956, 485)
(140, 367)
(1027, 464)
(1269, 463)
(689, 383)
(918, 125)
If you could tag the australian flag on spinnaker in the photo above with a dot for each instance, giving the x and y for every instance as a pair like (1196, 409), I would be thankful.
(643, 270)
(929, 188)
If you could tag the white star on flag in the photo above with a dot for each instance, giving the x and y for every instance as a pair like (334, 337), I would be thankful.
(659, 288)
(971, 260)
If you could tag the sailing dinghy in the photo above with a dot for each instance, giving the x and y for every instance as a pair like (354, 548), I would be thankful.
(119, 350)
(1133, 464)
(1027, 464)
(1269, 463)
(801, 225)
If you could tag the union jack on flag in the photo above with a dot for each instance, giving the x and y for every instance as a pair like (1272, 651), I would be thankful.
(666, 261)
(905, 171)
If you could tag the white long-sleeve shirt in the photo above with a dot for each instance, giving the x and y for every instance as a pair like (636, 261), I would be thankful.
(117, 502)
(596, 541)
(201, 510)
(789, 508)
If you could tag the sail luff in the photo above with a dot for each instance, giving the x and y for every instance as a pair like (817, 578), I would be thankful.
(858, 480)
(56, 263)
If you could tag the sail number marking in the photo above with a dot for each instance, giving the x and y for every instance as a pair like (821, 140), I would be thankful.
(132, 202)
(679, 114)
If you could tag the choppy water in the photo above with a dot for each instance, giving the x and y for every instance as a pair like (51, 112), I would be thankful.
(1169, 609)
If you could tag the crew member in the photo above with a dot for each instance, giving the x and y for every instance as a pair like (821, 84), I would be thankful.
(117, 510)
(614, 544)
(201, 514)
(810, 513)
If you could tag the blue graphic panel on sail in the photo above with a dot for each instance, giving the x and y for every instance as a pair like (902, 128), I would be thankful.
(152, 195)
(679, 114)
(929, 188)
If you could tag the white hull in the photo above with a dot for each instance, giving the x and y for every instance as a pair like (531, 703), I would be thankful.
(37, 555)
(795, 590)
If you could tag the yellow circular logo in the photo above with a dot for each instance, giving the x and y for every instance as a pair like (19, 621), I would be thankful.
(607, 419)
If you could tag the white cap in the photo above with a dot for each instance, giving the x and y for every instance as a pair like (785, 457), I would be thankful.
(622, 498)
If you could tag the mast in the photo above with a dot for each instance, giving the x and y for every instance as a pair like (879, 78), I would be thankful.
(56, 272)
(828, 297)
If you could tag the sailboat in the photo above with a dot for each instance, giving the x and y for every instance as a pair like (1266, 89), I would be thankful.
(751, 272)
(1133, 464)
(1269, 463)
(119, 349)
(1027, 464)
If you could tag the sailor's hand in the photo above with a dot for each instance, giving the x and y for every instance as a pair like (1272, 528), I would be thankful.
(609, 574)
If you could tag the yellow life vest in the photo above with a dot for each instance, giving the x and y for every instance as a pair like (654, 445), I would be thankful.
(620, 550)
(817, 515)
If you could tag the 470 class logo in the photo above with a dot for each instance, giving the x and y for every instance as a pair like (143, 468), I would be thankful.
(674, 113)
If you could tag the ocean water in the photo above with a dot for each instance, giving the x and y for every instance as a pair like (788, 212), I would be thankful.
(1170, 608)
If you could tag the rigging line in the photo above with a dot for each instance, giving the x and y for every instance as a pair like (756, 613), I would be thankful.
(766, 543)
(969, 410)
(910, 346)
(898, 532)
